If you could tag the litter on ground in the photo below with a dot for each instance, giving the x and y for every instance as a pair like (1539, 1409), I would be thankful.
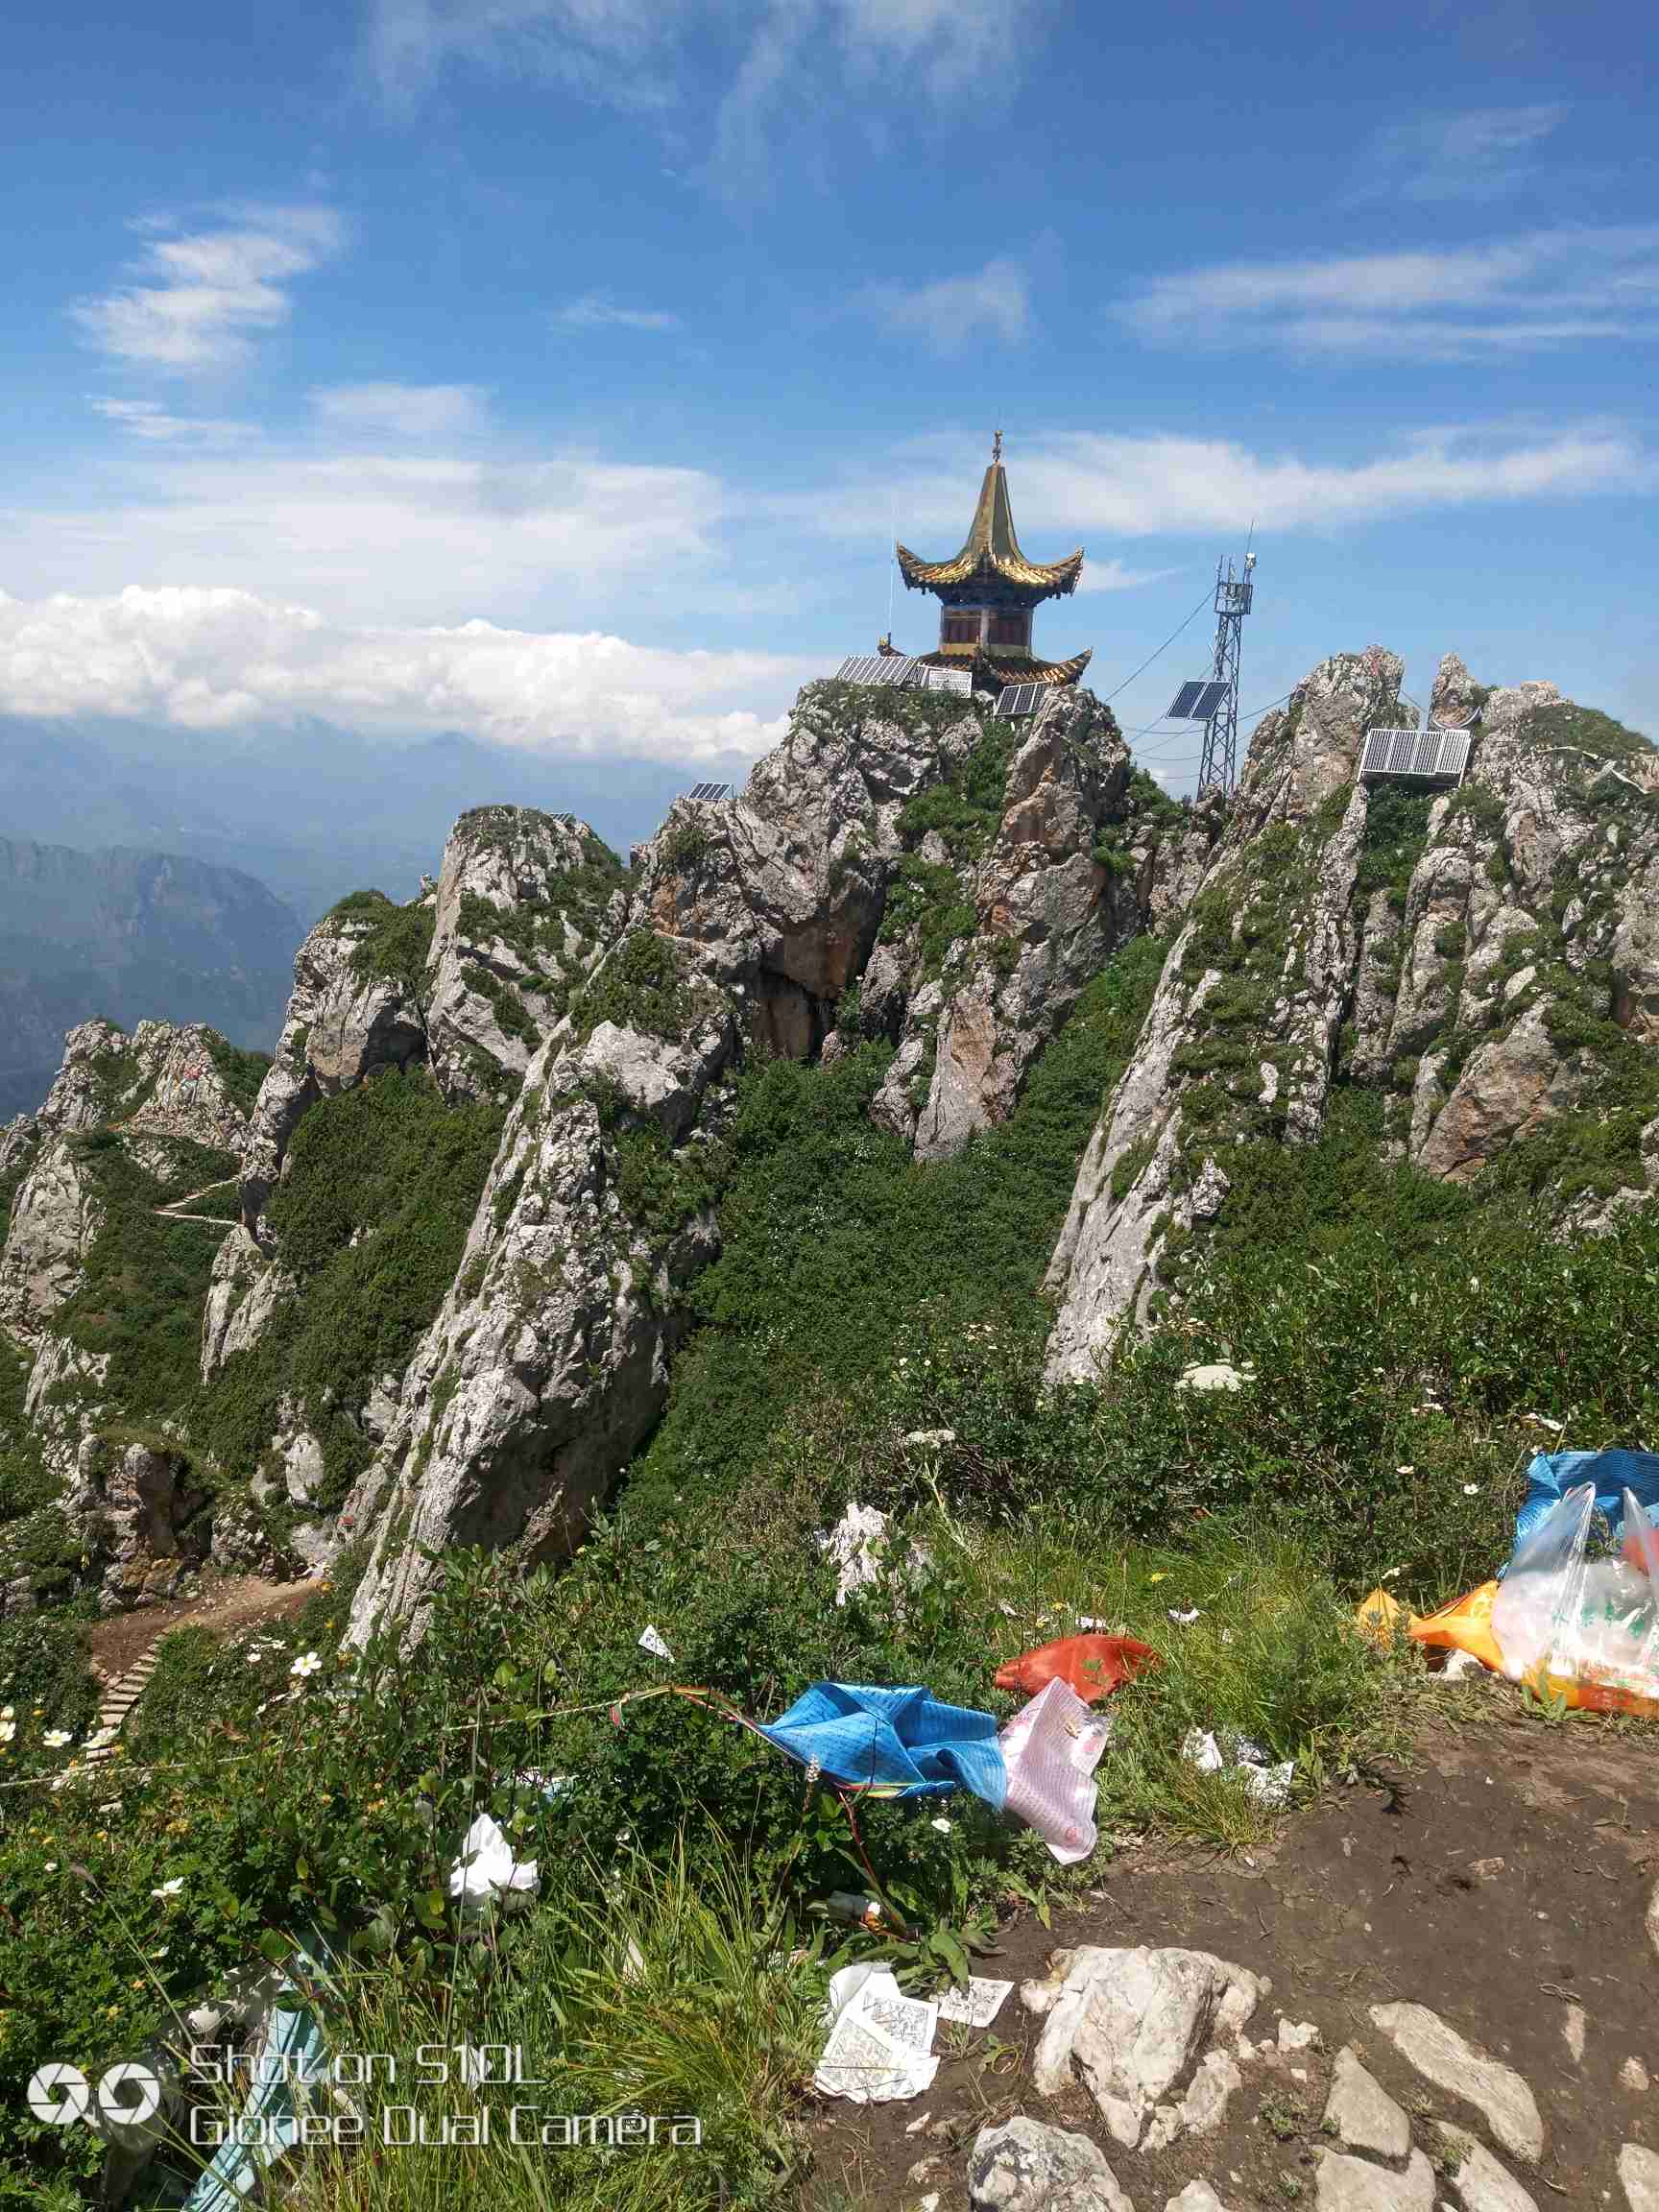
(485, 1869)
(1235, 1755)
(652, 1641)
(880, 2042)
(976, 2005)
(1095, 1666)
(1052, 1748)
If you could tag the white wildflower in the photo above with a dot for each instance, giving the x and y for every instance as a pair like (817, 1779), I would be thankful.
(1471, 1489)
(55, 1739)
(7, 1730)
(941, 1826)
(169, 1889)
(308, 1664)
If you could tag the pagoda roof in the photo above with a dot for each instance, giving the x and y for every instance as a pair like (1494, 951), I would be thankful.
(1005, 665)
(991, 551)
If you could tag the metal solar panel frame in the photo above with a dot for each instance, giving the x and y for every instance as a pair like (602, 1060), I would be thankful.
(1208, 702)
(876, 669)
(708, 794)
(1427, 755)
(1181, 706)
(1018, 699)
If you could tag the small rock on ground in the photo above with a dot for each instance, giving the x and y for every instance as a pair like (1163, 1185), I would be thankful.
(1464, 2071)
(1639, 2171)
(1479, 2183)
(1355, 2185)
(1635, 2077)
(1196, 2197)
(1364, 2116)
(1024, 2166)
(1572, 2028)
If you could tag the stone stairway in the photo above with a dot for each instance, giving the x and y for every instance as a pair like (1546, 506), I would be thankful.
(118, 1701)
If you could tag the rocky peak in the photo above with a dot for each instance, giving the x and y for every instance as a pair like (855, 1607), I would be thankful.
(1486, 959)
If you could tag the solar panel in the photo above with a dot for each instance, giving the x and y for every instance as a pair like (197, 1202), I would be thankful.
(708, 792)
(1181, 706)
(875, 668)
(1435, 756)
(1019, 699)
(1209, 699)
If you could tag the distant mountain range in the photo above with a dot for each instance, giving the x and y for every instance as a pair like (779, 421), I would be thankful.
(310, 809)
(131, 936)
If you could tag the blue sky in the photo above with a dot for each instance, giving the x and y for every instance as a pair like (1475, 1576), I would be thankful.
(559, 370)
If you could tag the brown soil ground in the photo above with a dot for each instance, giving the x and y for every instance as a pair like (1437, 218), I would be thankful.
(1371, 1897)
(122, 1640)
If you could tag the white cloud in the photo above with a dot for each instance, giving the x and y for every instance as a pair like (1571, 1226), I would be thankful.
(1477, 155)
(603, 47)
(1083, 485)
(594, 311)
(944, 315)
(1118, 576)
(216, 659)
(412, 534)
(158, 426)
(202, 297)
(405, 410)
(1542, 289)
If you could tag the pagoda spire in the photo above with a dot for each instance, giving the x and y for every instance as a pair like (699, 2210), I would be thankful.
(988, 591)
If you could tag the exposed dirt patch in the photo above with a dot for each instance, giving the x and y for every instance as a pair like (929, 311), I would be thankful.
(1387, 1890)
(120, 1641)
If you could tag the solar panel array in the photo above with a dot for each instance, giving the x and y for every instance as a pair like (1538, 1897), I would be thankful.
(1021, 699)
(876, 669)
(1196, 702)
(1440, 755)
(708, 792)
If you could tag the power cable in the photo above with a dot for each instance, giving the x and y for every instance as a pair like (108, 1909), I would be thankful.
(1164, 648)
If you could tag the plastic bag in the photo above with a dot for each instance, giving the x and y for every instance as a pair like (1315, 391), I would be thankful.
(485, 1868)
(1052, 1748)
(1093, 1665)
(1578, 1610)
(1553, 1474)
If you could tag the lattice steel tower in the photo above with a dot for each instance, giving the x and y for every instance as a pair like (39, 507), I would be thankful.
(1219, 762)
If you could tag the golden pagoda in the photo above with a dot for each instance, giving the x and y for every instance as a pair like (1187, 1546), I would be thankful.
(987, 593)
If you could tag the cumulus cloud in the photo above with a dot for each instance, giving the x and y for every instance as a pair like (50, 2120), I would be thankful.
(944, 315)
(405, 410)
(1478, 154)
(199, 298)
(1548, 288)
(594, 312)
(216, 659)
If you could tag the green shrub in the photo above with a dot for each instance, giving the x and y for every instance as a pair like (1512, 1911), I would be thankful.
(639, 987)
(241, 1073)
(371, 1216)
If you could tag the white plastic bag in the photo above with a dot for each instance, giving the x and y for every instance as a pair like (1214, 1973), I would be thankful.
(485, 1868)
(1052, 1748)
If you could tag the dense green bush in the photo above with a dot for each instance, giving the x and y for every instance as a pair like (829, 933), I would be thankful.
(371, 1217)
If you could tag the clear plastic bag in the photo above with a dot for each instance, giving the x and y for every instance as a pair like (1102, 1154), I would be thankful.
(1578, 1611)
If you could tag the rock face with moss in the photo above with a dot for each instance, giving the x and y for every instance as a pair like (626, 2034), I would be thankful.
(1483, 959)
(359, 1004)
(162, 1083)
(1019, 879)
(525, 902)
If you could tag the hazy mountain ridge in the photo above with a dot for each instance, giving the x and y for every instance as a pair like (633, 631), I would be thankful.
(131, 936)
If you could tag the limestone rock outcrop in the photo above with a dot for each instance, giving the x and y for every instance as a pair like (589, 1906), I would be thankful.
(525, 902)
(1485, 957)
(1242, 1036)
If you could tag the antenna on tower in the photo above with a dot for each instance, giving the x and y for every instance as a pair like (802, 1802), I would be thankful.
(1213, 700)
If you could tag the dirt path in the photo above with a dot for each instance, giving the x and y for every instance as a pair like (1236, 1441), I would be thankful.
(1501, 1882)
(173, 1211)
(120, 1641)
